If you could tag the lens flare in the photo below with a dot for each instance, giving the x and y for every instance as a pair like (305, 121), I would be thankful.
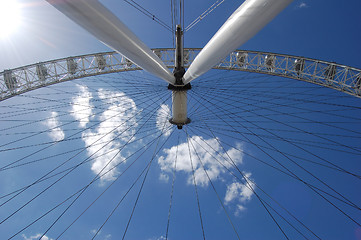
(9, 17)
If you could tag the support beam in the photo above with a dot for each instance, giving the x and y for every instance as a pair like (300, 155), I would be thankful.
(243, 24)
(106, 27)
(179, 90)
(179, 69)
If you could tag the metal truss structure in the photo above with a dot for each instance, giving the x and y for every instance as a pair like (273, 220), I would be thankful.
(332, 75)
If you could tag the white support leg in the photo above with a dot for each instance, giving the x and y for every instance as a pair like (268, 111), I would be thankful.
(106, 27)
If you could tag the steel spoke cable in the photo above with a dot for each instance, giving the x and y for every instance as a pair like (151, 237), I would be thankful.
(329, 112)
(232, 163)
(195, 186)
(264, 94)
(211, 120)
(67, 113)
(292, 143)
(39, 218)
(272, 158)
(267, 164)
(306, 111)
(29, 111)
(302, 101)
(249, 186)
(262, 139)
(172, 190)
(232, 87)
(151, 99)
(309, 143)
(42, 120)
(283, 123)
(196, 106)
(327, 200)
(267, 90)
(299, 140)
(276, 91)
(204, 14)
(71, 159)
(113, 182)
(83, 130)
(156, 151)
(51, 185)
(119, 202)
(147, 147)
(258, 197)
(255, 81)
(288, 222)
(70, 168)
(99, 177)
(68, 139)
(64, 130)
(226, 77)
(222, 132)
(213, 187)
(96, 177)
(148, 14)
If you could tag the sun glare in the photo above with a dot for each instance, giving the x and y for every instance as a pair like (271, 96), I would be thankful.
(9, 17)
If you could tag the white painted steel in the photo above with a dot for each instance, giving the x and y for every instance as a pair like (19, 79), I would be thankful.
(243, 24)
(106, 27)
(179, 107)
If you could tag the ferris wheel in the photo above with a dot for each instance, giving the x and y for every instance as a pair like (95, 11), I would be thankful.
(95, 147)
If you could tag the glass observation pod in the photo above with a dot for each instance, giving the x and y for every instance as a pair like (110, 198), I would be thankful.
(269, 62)
(41, 71)
(10, 80)
(299, 65)
(72, 66)
(241, 59)
(101, 61)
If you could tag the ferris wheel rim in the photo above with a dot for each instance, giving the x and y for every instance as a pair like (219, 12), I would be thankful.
(328, 74)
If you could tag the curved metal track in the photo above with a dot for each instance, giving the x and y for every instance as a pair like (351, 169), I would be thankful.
(332, 75)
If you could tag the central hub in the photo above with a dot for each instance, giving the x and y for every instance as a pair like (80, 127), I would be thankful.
(179, 90)
(179, 105)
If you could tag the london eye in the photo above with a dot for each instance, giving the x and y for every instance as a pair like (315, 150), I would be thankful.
(180, 142)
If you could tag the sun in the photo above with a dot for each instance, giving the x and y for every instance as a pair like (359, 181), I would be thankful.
(9, 17)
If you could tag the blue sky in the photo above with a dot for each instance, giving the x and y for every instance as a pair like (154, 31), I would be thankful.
(268, 126)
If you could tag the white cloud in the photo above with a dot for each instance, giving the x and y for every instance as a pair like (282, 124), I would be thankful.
(240, 193)
(106, 237)
(164, 177)
(239, 210)
(207, 150)
(157, 238)
(302, 5)
(116, 120)
(36, 237)
(55, 133)
(82, 109)
(162, 120)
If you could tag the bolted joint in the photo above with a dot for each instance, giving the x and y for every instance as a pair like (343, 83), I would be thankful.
(180, 87)
(178, 74)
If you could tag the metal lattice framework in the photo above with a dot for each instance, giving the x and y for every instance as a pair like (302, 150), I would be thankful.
(23, 79)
